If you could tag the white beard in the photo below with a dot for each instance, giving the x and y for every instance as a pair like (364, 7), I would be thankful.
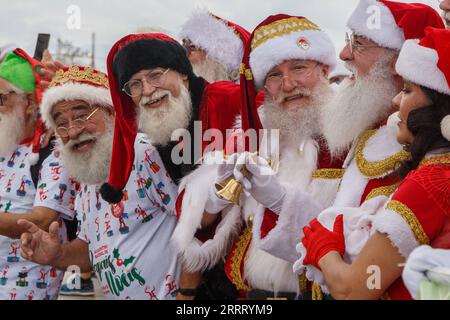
(160, 123)
(211, 70)
(357, 106)
(11, 130)
(298, 122)
(91, 167)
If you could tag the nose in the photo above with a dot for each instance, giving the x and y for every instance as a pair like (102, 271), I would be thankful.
(396, 101)
(147, 89)
(74, 132)
(288, 84)
(445, 5)
(345, 54)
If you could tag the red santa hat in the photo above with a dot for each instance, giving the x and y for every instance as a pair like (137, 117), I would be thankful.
(427, 63)
(276, 39)
(128, 56)
(390, 23)
(282, 37)
(222, 40)
(75, 83)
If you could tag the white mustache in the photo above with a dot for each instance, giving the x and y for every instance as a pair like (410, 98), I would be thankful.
(157, 95)
(85, 137)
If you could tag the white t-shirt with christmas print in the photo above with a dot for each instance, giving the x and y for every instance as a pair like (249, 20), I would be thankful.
(129, 242)
(21, 279)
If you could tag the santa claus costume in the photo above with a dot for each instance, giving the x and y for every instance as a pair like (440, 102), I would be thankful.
(419, 208)
(304, 169)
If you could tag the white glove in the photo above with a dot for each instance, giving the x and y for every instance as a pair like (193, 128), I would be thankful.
(215, 204)
(263, 184)
(421, 260)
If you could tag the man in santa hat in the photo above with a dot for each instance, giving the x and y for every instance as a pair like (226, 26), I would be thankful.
(289, 58)
(445, 6)
(132, 235)
(155, 90)
(214, 46)
(31, 178)
(356, 117)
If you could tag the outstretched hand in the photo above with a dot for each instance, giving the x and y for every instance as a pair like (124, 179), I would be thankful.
(38, 245)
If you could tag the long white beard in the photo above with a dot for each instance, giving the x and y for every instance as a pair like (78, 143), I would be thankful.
(298, 122)
(91, 167)
(160, 123)
(211, 70)
(11, 130)
(357, 106)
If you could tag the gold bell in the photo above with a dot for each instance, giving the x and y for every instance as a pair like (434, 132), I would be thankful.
(231, 189)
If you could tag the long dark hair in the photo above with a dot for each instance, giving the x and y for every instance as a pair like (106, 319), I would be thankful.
(425, 125)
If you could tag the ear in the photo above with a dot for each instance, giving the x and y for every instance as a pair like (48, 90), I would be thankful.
(325, 70)
(32, 104)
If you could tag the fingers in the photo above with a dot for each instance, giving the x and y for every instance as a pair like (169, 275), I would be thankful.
(53, 231)
(315, 224)
(25, 245)
(48, 136)
(30, 226)
(46, 57)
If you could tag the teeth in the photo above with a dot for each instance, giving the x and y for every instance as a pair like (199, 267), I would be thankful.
(156, 100)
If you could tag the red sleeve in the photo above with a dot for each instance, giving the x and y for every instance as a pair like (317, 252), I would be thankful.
(415, 201)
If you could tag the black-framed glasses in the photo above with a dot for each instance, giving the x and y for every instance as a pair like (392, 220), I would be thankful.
(351, 40)
(77, 123)
(156, 79)
(3, 97)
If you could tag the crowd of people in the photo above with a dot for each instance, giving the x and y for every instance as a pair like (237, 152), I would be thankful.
(228, 166)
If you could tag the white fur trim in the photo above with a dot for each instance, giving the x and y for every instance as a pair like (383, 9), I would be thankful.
(72, 91)
(445, 127)
(33, 158)
(352, 187)
(382, 145)
(195, 255)
(418, 64)
(397, 229)
(215, 37)
(363, 22)
(274, 51)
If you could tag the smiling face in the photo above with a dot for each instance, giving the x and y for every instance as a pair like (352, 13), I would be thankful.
(86, 147)
(290, 83)
(412, 97)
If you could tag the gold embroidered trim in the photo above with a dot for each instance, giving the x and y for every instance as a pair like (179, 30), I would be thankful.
(316, 292)
(407, 214)
(377, 168)
(328, 174)
(279, 28)
(382, 191)
(237, 258)
(303, 282)
(441, 159)
(246, 72)
(74, 73)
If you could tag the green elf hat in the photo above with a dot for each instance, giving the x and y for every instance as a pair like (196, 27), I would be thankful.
(22, 71)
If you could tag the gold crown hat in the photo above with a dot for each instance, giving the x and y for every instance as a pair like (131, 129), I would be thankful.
(75, 83)
(282, 37)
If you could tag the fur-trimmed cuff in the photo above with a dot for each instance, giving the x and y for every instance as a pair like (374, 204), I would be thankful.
(298, 209)
(198, 256)
(397, 229)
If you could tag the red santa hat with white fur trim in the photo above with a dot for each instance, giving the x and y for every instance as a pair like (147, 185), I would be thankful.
(427, 63)
(75, 83)
(390, 23)
(283, 37)
(222, 40)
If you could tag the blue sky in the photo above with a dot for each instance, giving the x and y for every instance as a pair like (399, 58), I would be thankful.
(21, 20)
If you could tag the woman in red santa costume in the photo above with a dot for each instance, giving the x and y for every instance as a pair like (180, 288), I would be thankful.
(416, 212)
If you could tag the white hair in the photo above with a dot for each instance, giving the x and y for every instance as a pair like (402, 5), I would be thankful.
(358, 105)
(212, 71)
(161, 122)
(12, 126)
